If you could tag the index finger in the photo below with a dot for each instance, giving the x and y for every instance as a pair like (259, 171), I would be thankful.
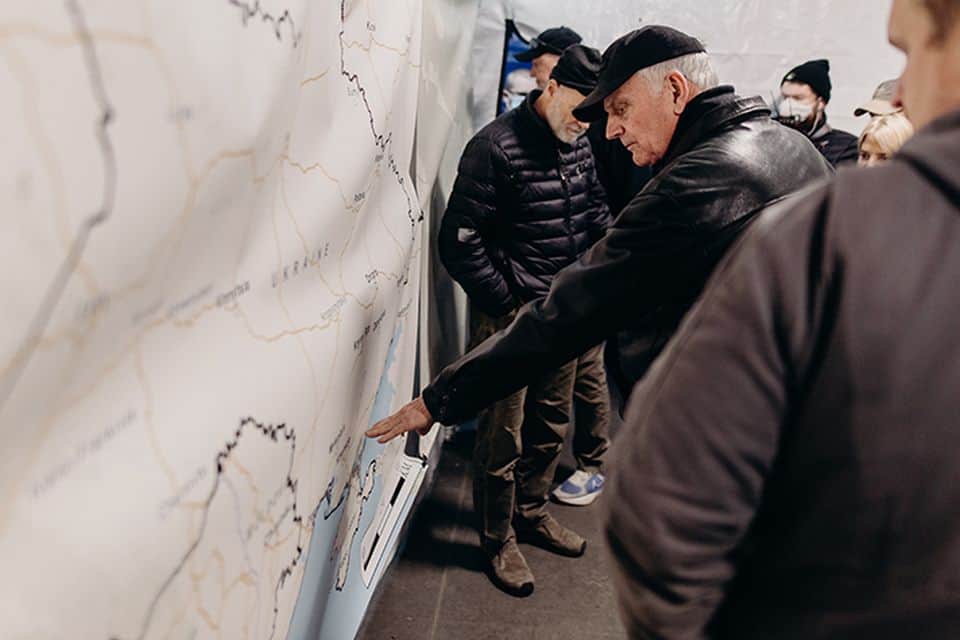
(398, 430)
(383, 426)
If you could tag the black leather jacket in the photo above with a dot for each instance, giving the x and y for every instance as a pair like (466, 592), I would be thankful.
(524, 206)
(728, 160)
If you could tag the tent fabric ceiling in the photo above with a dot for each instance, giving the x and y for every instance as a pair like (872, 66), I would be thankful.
(753, 42)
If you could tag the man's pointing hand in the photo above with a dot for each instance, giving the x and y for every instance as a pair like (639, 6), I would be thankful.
(412, 416)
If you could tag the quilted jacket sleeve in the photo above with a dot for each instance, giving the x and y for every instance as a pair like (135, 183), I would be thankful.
(467, 231)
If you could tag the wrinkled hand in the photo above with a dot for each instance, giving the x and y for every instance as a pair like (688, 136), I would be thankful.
(413, 416)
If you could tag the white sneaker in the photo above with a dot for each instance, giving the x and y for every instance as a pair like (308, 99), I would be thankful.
(580, 489)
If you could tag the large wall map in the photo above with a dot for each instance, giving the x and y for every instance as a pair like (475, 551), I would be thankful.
(211, 252)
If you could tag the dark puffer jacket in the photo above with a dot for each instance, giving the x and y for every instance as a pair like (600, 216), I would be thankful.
(523, 207)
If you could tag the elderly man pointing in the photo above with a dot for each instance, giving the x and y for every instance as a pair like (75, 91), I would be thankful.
(718, 160)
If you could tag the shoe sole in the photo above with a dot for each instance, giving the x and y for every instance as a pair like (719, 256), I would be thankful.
(579, 501)
(522, 591)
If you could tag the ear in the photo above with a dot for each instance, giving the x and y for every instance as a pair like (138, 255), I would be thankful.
(551, 88)
(681, 91)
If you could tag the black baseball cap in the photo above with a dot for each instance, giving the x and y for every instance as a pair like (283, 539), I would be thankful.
(554, 41)
(578, 68)
(637, 50)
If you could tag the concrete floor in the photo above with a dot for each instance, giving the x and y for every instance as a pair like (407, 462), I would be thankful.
(438, 590)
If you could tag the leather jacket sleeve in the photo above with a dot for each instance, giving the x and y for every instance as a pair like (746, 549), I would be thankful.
(619, 277)
(467, 229)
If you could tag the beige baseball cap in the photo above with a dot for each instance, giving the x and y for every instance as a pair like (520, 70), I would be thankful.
(882, 102)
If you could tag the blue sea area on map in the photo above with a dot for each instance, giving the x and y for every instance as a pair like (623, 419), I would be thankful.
(321, 611)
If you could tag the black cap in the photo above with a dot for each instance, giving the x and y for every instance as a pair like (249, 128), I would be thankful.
(815, 73)
(554, 41)
(637, 50)
(578, 68)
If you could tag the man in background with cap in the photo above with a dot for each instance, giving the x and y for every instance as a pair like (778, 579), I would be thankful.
(804, 95)
(621, 179)
(718, 160)
(526, 204)
(545, 51)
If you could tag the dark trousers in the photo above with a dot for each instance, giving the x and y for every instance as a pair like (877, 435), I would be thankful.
(591, 407)
(519, 440)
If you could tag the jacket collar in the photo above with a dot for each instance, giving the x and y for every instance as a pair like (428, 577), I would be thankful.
(711, 110)
(529, 117)
(822, 129)
(935, 150)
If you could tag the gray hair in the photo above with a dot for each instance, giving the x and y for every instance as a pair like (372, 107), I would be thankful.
(695, 67)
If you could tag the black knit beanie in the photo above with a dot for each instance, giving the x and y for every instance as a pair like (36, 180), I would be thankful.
(815, 73)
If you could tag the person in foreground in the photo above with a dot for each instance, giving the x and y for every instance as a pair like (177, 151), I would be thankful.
(788, 469)
(718, 160)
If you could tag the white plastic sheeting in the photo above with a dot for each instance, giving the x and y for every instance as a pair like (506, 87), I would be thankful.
(443, 128)
(753, 42)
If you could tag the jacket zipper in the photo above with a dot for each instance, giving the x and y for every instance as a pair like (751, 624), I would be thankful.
(567, 222)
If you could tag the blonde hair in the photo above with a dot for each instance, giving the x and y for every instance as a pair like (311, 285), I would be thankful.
(889, 132)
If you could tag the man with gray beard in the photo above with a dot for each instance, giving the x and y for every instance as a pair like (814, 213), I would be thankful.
(526, 204)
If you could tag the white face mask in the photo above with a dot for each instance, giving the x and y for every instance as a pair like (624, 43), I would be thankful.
(791, 108)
